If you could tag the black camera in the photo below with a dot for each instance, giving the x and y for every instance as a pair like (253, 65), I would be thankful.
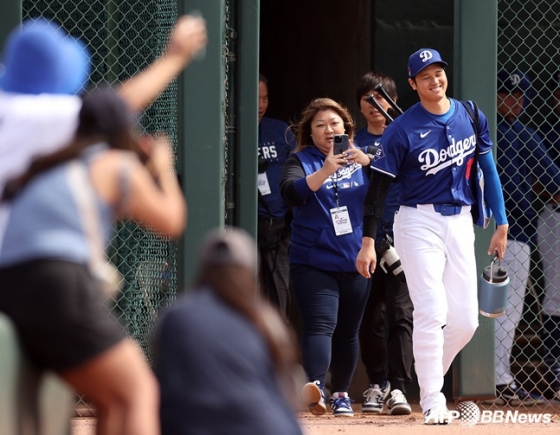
(388, 258)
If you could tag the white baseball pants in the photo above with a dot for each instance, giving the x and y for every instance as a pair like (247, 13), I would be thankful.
(437, 253)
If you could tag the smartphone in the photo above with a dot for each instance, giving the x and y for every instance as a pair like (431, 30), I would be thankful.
(340, 143)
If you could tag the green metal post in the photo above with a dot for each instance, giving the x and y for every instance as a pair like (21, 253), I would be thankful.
(248, 73)
(476, 35)
(201, 143)
(9, 18)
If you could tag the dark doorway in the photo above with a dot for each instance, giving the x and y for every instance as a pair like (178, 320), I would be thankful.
(321, 48)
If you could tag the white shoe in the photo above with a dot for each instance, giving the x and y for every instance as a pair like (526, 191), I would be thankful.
(397, 404)
(314, 398)
(375, 397)
(437, 415)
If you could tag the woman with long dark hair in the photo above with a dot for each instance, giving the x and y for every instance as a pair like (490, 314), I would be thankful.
(225, 358)
(326, 190)
(62, 208)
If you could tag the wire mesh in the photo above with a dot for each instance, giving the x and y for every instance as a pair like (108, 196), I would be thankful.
(527, 337)
(123, 37)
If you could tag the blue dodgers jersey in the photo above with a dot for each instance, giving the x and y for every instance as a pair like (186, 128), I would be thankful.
(314, 242)
(276, 142)
(523, 158)
(363, 139)
(432, 158)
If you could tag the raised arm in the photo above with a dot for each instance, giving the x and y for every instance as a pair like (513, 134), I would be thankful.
(187, 38)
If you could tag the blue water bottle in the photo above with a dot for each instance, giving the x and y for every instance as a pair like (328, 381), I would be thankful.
(493, 290)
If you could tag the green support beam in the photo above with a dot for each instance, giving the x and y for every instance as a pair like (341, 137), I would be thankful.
(201, 138)
(248, 86)
(10, 17)
(476, 34)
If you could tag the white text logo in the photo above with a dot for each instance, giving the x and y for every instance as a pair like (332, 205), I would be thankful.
(433, 162)
(468, 414)
(423, 135)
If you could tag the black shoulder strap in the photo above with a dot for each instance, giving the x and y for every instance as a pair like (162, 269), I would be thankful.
(473, 113)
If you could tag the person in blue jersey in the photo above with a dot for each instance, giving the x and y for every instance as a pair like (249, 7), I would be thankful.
(522, 159)
(326, 192)
(276, 142)
(62, 210)
(222, 349)
(387, 355)
(548, 242)
(430, 148)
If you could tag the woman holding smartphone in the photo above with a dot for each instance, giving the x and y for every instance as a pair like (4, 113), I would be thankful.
(327, 190)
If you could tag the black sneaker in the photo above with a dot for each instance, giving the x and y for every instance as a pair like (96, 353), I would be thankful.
(516, 396)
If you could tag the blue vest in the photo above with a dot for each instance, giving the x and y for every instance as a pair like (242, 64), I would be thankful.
(314, 242)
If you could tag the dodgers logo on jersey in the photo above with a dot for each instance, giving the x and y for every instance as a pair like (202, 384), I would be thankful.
(434, 160)
(426, 55)
(343, 174)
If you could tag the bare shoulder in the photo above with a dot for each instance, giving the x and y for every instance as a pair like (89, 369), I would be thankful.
(114, 159)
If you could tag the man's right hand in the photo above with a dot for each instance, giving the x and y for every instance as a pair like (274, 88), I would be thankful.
(367, 258)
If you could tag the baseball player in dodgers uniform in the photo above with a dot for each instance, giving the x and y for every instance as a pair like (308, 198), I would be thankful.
(431, 148)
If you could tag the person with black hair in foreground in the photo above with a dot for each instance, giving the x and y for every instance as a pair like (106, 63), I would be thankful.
(224, 348)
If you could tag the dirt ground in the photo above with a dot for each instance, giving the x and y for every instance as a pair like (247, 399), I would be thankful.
(362, 424)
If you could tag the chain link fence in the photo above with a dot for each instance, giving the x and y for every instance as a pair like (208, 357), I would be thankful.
(527, 337)
(124, 36)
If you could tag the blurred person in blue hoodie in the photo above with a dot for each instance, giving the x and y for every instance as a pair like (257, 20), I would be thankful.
(43, 71)
(226, 361)
(327, 193)
(522, 161)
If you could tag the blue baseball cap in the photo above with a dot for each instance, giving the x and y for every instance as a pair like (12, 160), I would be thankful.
(40, 58)
(421, 59)
(512, 81)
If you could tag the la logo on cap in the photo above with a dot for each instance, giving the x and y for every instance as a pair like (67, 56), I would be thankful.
(426, 55)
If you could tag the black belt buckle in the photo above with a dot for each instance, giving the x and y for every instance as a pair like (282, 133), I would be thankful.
(448, 209)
